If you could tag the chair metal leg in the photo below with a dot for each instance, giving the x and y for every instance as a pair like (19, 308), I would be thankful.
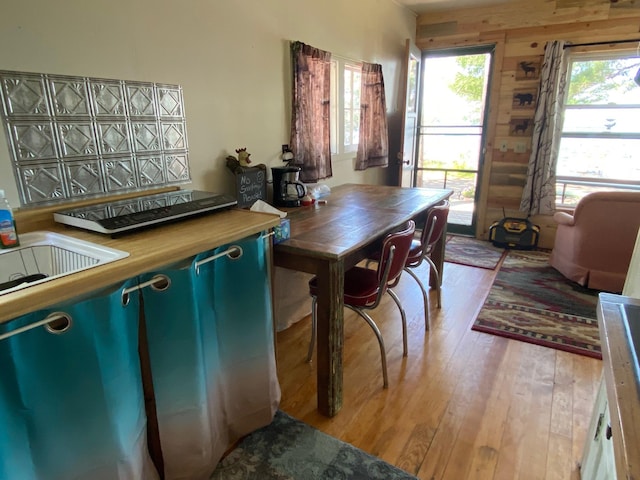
(393, 295)
(312, 344)
(376, 330)
(437, 274)
(425, 298)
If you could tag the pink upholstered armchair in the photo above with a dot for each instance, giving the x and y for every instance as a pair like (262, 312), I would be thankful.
(593, 246)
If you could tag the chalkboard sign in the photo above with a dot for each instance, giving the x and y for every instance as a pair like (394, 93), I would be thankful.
(251, 185)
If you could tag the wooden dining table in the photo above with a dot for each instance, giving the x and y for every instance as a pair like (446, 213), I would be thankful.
(331, 236)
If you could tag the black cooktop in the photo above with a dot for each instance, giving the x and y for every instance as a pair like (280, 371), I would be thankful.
(140, 212)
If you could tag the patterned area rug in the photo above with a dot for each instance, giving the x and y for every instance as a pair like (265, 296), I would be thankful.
(532, 302)
(472, 252)
(288, 449)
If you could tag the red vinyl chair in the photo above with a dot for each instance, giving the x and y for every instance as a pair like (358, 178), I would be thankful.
(365, 287)
(422, 248)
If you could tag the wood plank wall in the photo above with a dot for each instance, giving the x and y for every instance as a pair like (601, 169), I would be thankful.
(520, 30)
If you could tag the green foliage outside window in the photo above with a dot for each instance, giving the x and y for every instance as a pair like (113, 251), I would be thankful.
(592, 81)
(469, 82)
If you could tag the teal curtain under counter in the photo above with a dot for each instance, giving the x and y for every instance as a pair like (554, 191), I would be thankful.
(71, 404)
(246, 337)
(211, 348)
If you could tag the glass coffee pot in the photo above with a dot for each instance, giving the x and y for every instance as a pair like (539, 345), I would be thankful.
(287, 189)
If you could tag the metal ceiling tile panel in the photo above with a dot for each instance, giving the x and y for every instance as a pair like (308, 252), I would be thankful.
(74, 137)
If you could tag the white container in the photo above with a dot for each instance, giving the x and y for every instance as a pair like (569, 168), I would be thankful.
(44, 256)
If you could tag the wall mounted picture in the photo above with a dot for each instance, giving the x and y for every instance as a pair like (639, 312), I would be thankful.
(521, 126)
(524, 98)
(528, 68)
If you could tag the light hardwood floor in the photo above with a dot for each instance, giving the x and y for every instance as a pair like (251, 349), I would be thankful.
(463, 404)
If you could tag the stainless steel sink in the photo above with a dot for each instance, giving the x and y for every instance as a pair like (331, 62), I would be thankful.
(631, 319)
(44, 256)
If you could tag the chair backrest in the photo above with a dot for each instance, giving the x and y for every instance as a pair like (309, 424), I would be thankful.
(437, 218)
(608, 207)
(395, 250)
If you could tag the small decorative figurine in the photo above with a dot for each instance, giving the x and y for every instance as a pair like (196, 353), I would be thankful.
(242, 160)
(243, 157)
(243, 164)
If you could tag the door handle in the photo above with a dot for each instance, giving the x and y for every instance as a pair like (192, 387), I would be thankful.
(399, 157)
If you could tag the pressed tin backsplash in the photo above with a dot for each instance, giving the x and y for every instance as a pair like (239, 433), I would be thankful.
(76, 137)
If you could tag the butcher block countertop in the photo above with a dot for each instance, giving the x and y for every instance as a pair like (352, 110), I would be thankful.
(148, 249)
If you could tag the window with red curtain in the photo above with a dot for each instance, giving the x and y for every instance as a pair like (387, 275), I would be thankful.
(310, 122)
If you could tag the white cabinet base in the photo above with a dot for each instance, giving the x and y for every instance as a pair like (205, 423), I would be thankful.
(597, 459)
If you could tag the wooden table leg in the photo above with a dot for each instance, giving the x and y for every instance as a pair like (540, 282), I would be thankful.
(330, 336)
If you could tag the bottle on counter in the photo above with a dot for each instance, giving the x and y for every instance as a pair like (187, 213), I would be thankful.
(8, 233)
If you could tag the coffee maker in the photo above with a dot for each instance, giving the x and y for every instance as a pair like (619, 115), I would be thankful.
(287, 189)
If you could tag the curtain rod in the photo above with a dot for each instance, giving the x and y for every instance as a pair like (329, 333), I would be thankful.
(348, 59)
(340, 57)
(634, 40)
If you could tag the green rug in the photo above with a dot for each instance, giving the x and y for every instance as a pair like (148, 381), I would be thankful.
(532, 302)
(472, 252)
(288, 449)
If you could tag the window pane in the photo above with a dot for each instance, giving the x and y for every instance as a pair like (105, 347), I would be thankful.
(568, 195)
(351, 106)
(603, 101)
(454, 89)
(348, 80)
(614, 120)
(604, 81)
(604, 158)
(463, 186)
(356, 127)
(449, 151)
(431, 179)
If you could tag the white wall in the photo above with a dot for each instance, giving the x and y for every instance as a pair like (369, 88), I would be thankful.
(230, 56)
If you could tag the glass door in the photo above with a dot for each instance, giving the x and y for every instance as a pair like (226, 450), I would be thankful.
(453, 112)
